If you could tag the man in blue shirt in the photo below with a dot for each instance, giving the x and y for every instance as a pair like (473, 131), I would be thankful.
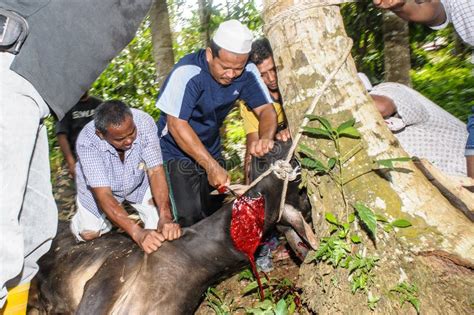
(119, 159)
(195, 99)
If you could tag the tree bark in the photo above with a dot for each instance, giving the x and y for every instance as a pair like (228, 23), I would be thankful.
(437, 252)
(162, 40)
(205, 19)
(396, 49)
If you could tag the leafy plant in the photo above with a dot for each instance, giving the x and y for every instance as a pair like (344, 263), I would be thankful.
(407, 293)
(281, 295)
(217, 302)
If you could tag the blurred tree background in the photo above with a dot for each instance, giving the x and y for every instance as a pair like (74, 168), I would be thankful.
(439, 61)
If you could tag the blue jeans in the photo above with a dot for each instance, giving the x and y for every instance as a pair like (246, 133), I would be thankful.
(28, 213)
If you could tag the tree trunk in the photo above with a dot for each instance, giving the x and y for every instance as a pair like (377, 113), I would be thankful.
(204, 19)
(396, 49)
(437, 252)
(162, 40)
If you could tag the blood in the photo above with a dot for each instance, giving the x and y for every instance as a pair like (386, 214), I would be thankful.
(246, 229)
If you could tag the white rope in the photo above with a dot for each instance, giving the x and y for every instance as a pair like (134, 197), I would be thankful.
(309, 111)
(303, 6)
(282, 168)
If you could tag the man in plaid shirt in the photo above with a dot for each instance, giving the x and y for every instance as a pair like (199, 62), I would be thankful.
(119, 159)
(437, 14)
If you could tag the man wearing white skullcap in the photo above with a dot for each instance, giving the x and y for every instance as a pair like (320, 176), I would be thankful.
(194, 101)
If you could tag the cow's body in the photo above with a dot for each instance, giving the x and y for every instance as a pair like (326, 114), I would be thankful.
(113, 275)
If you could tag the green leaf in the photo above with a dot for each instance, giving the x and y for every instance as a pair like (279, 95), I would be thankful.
(351, 217)
(331, 162)
(246, 274)
(388, 228)
(355, 239)
(317, 132)
(324, 122)
(350, 132)
(388, 163)
(281, 308)
(331, 218)
(306, 150)
(367, 216)
(416, 304)
(353, 265)
(401, 223)
(313, 164)
(346, 124)
(250, 287)
(381, 218)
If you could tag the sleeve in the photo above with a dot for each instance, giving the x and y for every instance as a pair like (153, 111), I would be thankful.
(180, 93)
(62, 126)
(249, 119)
(255, 92)
(151, 153)
(280, 113)
(408, 102)
(447, 10)
(93, 166)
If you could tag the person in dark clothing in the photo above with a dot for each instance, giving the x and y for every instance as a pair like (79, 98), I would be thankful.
(68, 128)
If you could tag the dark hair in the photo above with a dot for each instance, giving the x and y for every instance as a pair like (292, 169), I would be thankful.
(214, 48)
(110, 113)
(261, 50)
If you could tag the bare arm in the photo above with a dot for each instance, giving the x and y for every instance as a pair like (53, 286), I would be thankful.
(189, 142)
(148, 240)
(267, 125)
(384, 105)
(252, 138)
(159, 191)
(430, 13)
(67, 153)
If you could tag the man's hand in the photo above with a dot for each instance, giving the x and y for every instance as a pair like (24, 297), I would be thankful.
(217, 176)
(283, 135)
(261, 147)
(389, 4)
(148, 240)
(169, 229)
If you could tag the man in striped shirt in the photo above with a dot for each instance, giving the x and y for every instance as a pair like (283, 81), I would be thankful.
(119, 159)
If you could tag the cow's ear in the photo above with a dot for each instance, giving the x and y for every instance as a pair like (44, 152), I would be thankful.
(294, 218)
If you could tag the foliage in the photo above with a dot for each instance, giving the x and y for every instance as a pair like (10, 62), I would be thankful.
(444, 76)
(447, 81)
(281, 295)
(217, 302)
(363, 24)
(130, 76)
(407, 293)
(343, 248)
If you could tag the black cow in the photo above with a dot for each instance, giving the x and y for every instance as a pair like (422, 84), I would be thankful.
(113, 275)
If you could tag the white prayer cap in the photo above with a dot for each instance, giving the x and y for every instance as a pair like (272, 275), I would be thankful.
(234, 37)
(365, 80)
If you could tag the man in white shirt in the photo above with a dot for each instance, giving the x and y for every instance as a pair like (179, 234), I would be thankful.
(437, 14)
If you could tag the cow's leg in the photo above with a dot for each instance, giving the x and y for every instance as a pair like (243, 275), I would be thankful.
(103, 291)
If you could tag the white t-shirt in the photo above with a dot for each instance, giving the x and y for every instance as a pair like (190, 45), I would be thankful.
(429, 131)
(461, 14)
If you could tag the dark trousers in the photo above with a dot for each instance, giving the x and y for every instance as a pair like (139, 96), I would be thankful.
(190, 192)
